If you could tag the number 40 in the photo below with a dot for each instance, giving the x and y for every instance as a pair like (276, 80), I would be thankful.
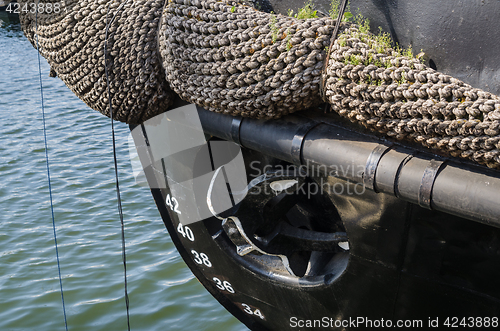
(185, 231)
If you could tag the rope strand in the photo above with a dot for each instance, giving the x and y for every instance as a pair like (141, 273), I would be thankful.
(232, 59)
(120, 211)
(48, 171)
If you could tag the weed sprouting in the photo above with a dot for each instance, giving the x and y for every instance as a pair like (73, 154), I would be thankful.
(408, 52)
(363, 24)
(288, 42)
(305, 12)
(403, 79)
(274, 28)
(355, 60)
(342, 40)
(380, 43)
(334, 11)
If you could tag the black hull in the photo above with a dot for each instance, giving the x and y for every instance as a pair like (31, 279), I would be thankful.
(424, 237)
(460, 38)
(406, 262)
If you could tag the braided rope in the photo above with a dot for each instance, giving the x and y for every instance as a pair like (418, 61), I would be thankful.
(72, 41)
(233, 59)
(410, 100)
(226, 58)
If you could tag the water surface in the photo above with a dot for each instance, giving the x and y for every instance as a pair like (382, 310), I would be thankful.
(164, 295)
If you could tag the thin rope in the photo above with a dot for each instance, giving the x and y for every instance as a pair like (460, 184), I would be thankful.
(120, 211)
(340, 16)
(48, 168)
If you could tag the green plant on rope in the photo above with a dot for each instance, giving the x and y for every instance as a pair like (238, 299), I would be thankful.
(274, 29)
(288, 41)
(305, 12)
(378, 44)
(342, 40)
(403, 79)
(363, 23)
(383, 42)
(334, 11)
(353, 59)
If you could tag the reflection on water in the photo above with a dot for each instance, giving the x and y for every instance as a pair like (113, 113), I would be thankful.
(163, 293)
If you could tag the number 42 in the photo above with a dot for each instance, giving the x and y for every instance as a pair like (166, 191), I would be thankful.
(173, 204)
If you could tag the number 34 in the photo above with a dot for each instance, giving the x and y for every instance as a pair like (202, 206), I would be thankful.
(249, 310)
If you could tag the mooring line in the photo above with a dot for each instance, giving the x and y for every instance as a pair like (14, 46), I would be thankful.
(48, 168)
(120, 211)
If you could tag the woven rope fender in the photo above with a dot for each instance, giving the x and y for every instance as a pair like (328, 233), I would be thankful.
(227, 59)
(71, 36)
(233, 59)
(403, 98)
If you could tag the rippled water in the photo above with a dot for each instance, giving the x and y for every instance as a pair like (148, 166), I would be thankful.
(164, 295)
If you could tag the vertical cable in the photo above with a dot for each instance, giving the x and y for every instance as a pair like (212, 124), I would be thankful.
(342, 8)
(48, 168)
(120, 211)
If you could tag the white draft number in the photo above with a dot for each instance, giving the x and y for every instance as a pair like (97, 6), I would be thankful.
(173, 204)
(201, 258)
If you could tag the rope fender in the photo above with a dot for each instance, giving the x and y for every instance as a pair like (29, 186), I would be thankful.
(71, 37)
(233, 59)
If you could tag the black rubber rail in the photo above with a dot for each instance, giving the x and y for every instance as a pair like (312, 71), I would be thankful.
(433, 182)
